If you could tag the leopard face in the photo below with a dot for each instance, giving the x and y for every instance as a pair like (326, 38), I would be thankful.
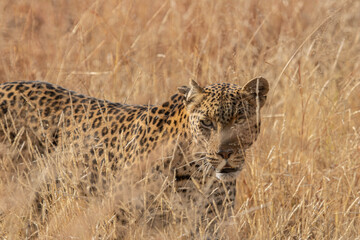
(224, 121)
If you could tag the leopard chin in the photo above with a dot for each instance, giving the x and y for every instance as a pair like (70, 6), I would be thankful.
(228, 174)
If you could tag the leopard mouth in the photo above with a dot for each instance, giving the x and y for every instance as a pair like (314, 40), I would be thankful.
(224, 171)
(228, 170)
(227, 173)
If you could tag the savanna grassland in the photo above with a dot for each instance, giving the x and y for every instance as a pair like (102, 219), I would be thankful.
(302, 176)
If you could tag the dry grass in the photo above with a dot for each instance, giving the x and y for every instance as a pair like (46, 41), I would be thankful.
(302, 178)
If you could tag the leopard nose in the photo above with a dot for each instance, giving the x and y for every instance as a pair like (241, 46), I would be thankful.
(225, 154)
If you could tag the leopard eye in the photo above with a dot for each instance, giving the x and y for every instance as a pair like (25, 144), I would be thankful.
(206, 123)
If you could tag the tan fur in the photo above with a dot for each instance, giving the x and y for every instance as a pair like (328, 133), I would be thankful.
(210, 129)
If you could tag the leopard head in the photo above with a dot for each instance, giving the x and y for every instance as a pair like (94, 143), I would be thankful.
(224, 121)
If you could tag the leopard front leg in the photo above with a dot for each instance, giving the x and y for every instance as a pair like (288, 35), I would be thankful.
(215, 205)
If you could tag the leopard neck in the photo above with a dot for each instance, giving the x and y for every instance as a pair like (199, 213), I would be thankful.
(154, 125)
(170, 119)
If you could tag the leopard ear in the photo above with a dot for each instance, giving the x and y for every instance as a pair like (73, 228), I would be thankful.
(183, 90)
(191, 93)
(257, 87)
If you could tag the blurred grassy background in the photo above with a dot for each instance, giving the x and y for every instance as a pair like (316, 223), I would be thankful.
(302, 178)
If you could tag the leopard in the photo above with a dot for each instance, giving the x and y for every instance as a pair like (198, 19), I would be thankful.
(209, 129)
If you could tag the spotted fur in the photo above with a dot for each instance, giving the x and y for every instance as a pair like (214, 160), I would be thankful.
(216, 123)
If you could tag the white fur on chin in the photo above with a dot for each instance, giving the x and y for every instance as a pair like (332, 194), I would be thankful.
(227, 176)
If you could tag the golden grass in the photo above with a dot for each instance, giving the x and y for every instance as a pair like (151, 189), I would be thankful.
(302, 177)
